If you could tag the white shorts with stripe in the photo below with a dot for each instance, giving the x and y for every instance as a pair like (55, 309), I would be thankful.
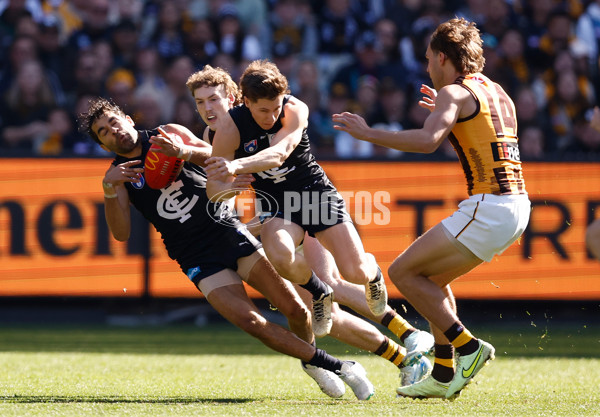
(487, 224)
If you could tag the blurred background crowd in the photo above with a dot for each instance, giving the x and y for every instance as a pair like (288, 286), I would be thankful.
(363, 56)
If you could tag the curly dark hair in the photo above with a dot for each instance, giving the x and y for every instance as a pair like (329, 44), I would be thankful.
(98, 107)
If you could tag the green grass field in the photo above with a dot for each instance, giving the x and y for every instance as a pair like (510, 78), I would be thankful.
(219, 371)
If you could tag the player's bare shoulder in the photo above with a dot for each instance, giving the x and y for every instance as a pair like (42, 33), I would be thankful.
(458, 96)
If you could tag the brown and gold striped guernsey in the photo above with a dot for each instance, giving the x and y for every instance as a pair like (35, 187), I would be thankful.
(486, 142)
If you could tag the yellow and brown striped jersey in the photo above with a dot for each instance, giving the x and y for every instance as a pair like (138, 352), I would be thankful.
(486, 142)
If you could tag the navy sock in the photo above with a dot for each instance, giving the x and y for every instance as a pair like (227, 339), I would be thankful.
(315, 286)
(324, 360)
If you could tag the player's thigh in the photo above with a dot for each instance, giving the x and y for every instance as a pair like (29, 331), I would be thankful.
(435, 256)
(233, 303)
(280, 236)
(277, 290)
(344, 243)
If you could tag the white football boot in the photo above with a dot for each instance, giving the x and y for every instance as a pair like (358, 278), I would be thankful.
(329, 382)
(353, 374)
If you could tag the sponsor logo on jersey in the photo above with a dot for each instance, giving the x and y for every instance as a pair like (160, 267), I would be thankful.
(251, 146)
(506, 151)
(192, 272)
(170, 206)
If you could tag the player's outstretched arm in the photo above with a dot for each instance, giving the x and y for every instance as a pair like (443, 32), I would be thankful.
(436, 128)
(191, 148)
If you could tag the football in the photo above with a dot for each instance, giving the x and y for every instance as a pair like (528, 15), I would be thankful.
(161, 170)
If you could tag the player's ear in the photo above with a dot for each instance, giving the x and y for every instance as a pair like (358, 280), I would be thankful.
(130, 120)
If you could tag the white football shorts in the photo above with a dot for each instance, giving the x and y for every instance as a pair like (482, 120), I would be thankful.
(487, 224)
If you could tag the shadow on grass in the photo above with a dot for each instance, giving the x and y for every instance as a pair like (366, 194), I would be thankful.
(44, 399)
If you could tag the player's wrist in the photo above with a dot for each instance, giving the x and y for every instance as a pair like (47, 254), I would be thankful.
(109, 190)
(185, 152)
(235, 167)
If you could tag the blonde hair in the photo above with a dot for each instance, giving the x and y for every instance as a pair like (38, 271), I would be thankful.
(459, 39)
(214, 77)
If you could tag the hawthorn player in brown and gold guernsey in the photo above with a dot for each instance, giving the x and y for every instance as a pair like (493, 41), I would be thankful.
(486, 142)
(479, 119)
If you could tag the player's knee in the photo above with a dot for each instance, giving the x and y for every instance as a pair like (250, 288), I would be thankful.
(296, 312)
(281, 260)
(396, 273)
(252, 323)
(357, 272)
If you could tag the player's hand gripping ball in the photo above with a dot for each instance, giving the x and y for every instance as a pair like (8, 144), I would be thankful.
(161, 170)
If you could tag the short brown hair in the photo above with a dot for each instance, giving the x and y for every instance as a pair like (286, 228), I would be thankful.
(459, 39)
(98, 107)
(263, 80)
(214, 77)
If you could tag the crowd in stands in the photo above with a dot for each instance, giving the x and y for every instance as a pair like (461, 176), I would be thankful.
(363, 56)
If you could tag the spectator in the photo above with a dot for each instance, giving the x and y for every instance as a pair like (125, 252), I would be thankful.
(69, 13)
(338, 28)
(498, 18)
(386, 35)
(148, 68)
(176, 75)
(568, 102)
(88, 77)
(168, 36)
(232, 40)
(26, 108)
(554, 40)
(186, 114)
(199, 42)
(393, 109)
(533, 120)
(367, 61)
(532, 143)
(588, 31)
(288, 26)
(120, 87)
(124, 42)
(62, 133)
(52, 51)
(147, 109)
(586, 140)
(514, 66)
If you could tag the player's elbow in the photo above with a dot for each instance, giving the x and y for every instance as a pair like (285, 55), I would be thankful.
(121, 235)
(430, 147)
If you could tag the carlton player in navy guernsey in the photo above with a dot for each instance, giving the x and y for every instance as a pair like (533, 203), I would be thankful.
(479, 120)
(215, 252)
(266, 136)
(215, 93)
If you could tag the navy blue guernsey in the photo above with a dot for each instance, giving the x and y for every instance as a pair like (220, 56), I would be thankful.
(180, 212)
(299, 170)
